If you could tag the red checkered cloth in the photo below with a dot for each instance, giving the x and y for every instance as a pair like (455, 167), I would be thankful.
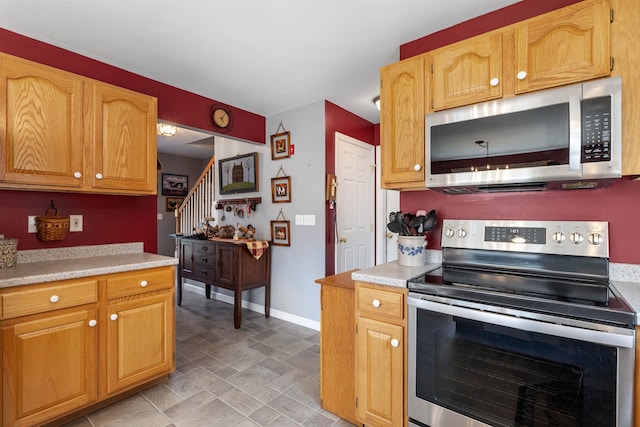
(257, 247)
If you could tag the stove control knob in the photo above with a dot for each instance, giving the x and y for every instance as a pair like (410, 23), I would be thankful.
(576, 238)
(462, 233)
(558, 237)
(450, 232)
(596, 238)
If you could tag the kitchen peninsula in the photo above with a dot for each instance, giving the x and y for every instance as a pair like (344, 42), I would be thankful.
(82, 327)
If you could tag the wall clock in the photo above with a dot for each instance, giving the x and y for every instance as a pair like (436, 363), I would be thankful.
(221, 118)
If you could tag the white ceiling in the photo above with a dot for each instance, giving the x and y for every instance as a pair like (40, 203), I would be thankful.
(262, 56)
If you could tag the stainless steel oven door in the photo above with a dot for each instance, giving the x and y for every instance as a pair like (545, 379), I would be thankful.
(475, 365)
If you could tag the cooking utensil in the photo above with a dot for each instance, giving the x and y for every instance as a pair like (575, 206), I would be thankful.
(394, 227)
(430, 220)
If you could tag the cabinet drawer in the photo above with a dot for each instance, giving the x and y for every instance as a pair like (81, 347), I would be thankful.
(42, 299)
(205, 259)
(203, 272)
(380, 303)
(139, 281)
(204, 247)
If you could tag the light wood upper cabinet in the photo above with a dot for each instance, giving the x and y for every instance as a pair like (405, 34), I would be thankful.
(402, 111)
(63, 132)
(564, 46)
(467, 72)
(624, 49)
(41, 125)
(124, 140)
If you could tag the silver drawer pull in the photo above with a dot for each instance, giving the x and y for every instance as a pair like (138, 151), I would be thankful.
(93, 322)
(144, 283)
(54, 298)
(375, 303)
(114, 316)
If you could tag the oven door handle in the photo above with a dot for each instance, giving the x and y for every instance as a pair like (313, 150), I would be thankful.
(616, 337)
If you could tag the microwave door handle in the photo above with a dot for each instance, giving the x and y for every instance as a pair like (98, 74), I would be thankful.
(575, 133)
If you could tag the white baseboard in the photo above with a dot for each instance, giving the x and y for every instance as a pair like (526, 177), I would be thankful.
(302, 321)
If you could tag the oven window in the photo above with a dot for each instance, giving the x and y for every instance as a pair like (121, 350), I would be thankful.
(507, 377)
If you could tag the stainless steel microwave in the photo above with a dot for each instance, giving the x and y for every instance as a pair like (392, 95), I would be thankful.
(563, 138)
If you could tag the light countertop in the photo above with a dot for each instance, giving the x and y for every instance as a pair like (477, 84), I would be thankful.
(47, 265)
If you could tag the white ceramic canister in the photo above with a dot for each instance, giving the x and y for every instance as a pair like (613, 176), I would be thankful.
(412, 251)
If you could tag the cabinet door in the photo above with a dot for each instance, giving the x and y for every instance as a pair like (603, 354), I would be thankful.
(226, 264)
(467, 72)
(380, 384)
(49, 367)
(41, 125)
(140, 339)
(186, 256)
(124, 140)
(402, 110)
(564, 46)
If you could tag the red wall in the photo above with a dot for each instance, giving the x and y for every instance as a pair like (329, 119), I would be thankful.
(340, 120)
(107, 219)
(619, 204)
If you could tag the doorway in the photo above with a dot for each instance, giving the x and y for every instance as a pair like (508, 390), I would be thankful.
(355, 204)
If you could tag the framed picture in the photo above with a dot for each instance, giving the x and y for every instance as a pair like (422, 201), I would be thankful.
(280, 144)
(280, 233)
(281, 189)
(239, 174)
(173, 203)
(175, 185)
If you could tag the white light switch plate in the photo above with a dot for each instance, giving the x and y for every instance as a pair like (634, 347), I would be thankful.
(32, 224)
(76, 223)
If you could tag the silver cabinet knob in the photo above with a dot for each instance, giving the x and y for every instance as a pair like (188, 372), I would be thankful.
(77, 175)
(395, 343)
(375, 303)
(521, 75)
(144, 283)
(93, 322)
(54, 299)
(494, 82)
(114, 316)
(417, 167)
(99, 176)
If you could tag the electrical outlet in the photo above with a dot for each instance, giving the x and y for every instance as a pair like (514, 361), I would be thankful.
(76, 223)
(32, 228)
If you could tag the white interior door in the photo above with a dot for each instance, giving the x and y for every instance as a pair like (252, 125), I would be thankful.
(386, 201)
(354, 203)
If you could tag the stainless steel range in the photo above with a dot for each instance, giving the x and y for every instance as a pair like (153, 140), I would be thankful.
(520, 327)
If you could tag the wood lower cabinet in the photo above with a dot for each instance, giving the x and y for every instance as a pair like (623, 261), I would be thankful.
(381, 349)
(337, 345)
(63, 132)
(69, 345)
(49, 366)
(227, 264)
(140, 320)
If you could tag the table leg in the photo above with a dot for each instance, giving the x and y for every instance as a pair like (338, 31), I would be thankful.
(237, 307)
(207, 290)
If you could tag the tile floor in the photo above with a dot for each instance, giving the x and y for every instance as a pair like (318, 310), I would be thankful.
(267, 373)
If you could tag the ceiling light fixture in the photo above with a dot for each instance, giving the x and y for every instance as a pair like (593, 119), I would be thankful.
(376, 101)
(165, 129)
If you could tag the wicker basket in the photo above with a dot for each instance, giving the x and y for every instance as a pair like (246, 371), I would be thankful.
(52, 227)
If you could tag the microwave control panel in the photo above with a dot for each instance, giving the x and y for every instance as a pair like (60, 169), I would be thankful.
(596, 129)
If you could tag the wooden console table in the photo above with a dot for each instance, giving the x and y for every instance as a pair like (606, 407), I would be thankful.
(228, 264)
